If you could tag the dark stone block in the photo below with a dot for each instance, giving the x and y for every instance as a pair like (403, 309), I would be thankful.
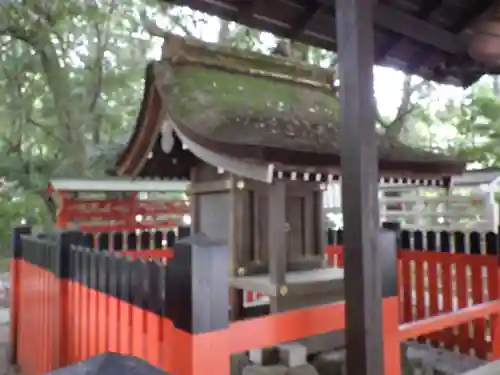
(110, 364)
(265, 356)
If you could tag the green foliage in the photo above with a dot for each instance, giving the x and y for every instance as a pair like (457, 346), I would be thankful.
(70, 80)
(71, 76)
(475, 121)
(19, 207)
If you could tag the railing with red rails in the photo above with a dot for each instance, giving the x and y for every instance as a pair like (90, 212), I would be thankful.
(73, 302)
(460, 270)
(440, 272)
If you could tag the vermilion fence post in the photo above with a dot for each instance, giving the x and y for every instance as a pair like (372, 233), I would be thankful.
(447, 287)
(103, 301)
(154, 313)
(93, 296)
(461, 269)
(432, 290)
(139, 298)
(15, 289)
(476, 270)
(198, 306)
(419, 286)
(492, 247)
(114, 305)
(406, 291)
(125, 308)
(61, 329)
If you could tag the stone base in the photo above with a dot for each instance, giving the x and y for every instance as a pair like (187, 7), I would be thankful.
(238, 363)
(418, 359)
(284, 359)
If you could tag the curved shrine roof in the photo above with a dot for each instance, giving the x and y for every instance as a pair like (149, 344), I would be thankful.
(253, 109)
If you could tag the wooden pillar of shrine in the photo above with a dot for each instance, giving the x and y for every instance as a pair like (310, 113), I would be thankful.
(359, 166)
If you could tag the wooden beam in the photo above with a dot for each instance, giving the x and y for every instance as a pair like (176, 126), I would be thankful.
(277, 232)
(209, 187)
(485, 11)
(423, 13)
(418, 30)
(277, 235)
(246, 11)
(385, 16)
(301, 23)
(363, 291)
(414, 28)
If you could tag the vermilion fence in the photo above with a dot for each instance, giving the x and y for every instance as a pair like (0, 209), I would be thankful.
(73, 303)
(443, 272)
(70, 302)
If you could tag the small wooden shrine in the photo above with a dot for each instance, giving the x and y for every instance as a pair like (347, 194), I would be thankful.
(257, 138)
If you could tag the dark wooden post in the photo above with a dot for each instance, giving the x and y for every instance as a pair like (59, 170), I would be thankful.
(277, 240)
(387, 247)
(198, 304)
(14, 289)
(359, 167)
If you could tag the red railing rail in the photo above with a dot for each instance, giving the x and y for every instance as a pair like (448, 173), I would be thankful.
(432, 283)
(70, 303)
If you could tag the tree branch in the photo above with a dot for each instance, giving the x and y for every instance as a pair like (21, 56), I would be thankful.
(102, 37)
(56, 79)
(405, 108)
(46, 129)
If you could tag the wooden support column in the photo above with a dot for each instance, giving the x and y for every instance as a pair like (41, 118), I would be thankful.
(239, 240)
(359, 167)
(277, 239)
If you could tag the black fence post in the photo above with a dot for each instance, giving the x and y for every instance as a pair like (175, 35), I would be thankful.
(183, 232)
(17, 233)
(15, 277)
(197, 300)
(197, 285)
(67, 239)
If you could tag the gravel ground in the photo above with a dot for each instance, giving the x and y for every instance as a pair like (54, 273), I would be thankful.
(5, 368)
